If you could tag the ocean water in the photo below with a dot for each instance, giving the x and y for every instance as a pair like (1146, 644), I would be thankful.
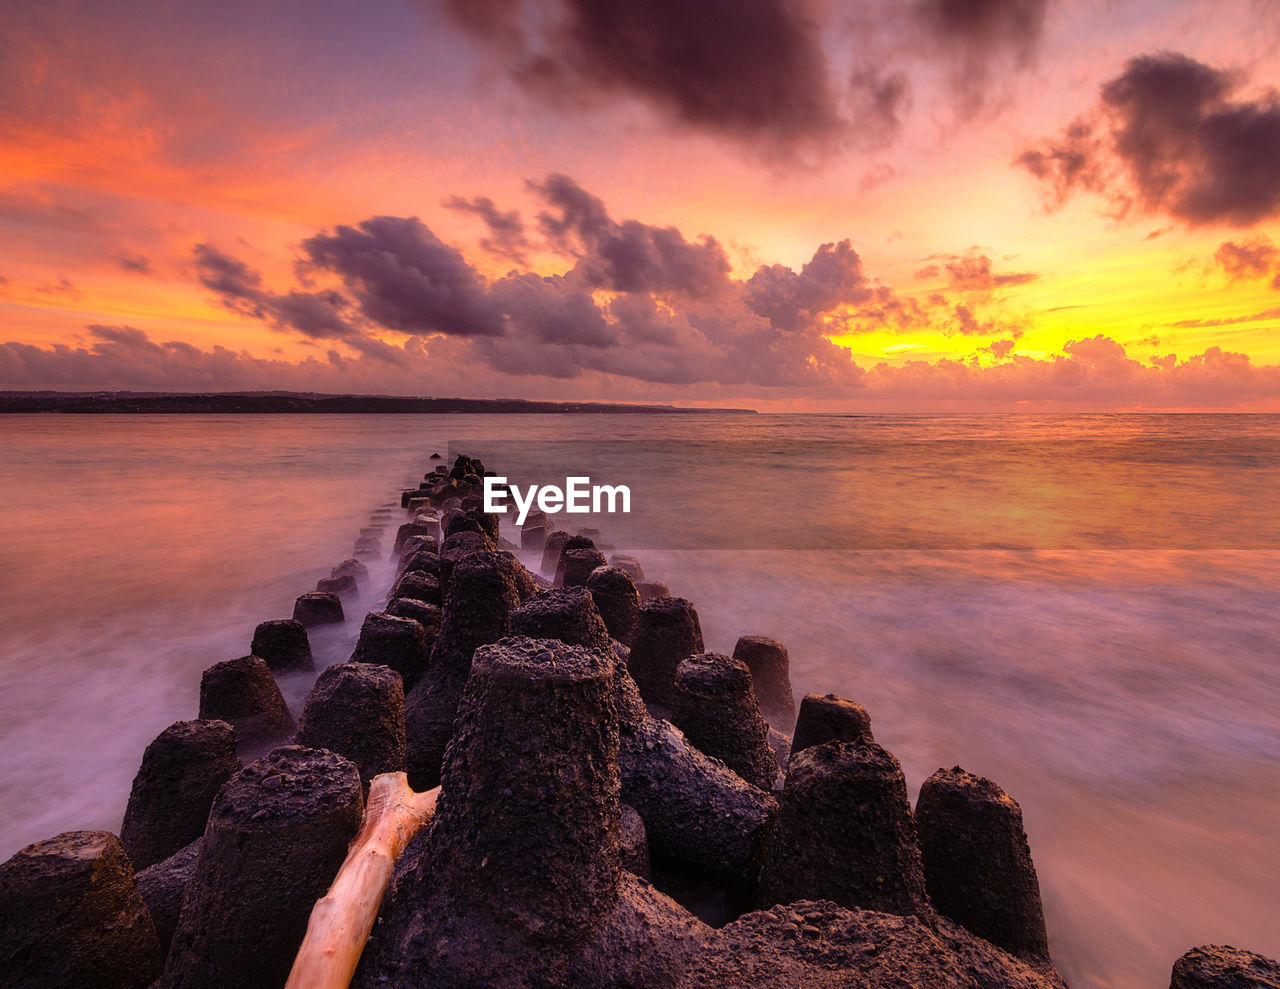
(1084, 608)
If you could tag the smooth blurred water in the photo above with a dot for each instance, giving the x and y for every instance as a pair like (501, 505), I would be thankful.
(1084, 608)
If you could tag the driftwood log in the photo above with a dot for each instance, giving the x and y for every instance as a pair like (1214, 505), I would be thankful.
(342, 919)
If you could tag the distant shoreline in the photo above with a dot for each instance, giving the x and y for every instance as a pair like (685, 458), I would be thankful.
(295, 403)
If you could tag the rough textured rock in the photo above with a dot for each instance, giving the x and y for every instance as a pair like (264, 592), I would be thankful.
(426, 615)
(703, 821)
(781, 745)
(1220, 966)
(667, 633)
(318, 608)
(163, 886)
(243, 693)
(570, 544)
(579, 565)
(464, 465)
(617, 600)
(283, 645)
(356, 709)
(845, 833)
(714, 704)
(551, 549)
(570, 615)
(977, 863)
(71, 916)
(651, 590)
(483, 591)
(353, 568)
(632, 712)
(828, 718)
(276, 836)
(456, 548)
(475, 520)
(426, 560)
(533, 534)
(433, 491)
(418, 585)
(628, 564)
(417, 549)
(400, 643)
(529, 806)
(633, 843)
(421, 526)
(446, 520)
(182, 770)
(770, 668)
(819, 945)
(341, 585)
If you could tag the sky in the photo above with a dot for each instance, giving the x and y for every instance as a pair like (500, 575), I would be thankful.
(921, 205)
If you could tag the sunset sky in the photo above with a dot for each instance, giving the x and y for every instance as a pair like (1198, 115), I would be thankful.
(828, 206)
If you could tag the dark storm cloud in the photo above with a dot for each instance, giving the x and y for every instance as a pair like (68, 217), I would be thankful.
(493, 19)
(126, 336)
(577, 220)
(627, 256)
(125, 357)
(506, 230)
(551, 310)
(313, 314)
(1070, 163)
(980, 38)
(767, 331)
(759, 71)
(983, 28)
(877, 100)
(752, 69)
(1253, 258)
(789, 300)
(405, 278)
(1171, 136)
(240, 288)
(1093, 371)
(636, 257)
(638, 301)
(232, 279)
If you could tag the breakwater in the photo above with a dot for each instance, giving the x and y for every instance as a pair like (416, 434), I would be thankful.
(567, 747)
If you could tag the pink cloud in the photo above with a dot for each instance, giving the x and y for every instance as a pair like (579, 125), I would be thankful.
(1094, 373)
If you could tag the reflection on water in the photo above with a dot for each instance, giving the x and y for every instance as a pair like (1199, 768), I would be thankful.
(1084, 608)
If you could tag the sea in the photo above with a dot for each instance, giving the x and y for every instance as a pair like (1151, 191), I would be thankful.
(1084, 608)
